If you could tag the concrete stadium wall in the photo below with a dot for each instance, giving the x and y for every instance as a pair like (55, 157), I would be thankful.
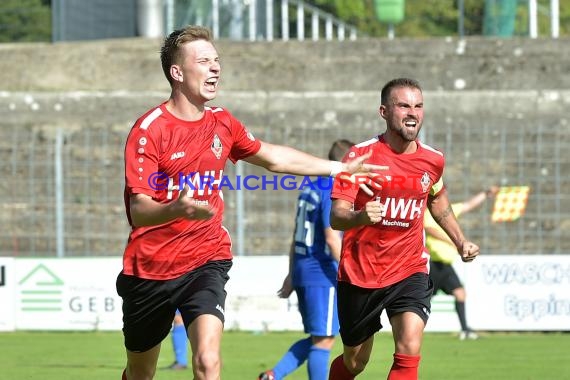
(362, 65)
(486, 99)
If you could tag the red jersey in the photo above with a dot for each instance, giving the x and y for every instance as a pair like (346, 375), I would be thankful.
(162, 154)
(375, 256)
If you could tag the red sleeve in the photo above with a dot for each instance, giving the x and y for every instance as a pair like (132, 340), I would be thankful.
(245, 144)
(141, 162)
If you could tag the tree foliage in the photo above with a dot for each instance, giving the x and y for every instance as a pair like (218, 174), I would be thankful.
(427, 18)
(30, 20)
(25, 20)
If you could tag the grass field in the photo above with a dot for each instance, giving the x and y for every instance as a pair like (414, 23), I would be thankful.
(100, 355)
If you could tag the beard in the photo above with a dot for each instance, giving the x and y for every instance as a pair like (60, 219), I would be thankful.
(405, 133)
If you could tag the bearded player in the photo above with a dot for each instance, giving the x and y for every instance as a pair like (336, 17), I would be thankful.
(384, 264)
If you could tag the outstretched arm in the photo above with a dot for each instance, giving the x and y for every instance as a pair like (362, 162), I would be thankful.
(437, 233)
(284, 159)
(479, 198)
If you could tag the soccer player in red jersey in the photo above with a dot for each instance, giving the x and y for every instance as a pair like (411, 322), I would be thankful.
(384, 264)
(178, 253)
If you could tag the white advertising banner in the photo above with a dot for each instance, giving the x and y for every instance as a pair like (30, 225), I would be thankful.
(517, 293)
(252, 303)
(504, 293)
(7, 300)
(67, 294)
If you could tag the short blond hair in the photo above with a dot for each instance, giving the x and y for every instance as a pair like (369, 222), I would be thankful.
(170, 50)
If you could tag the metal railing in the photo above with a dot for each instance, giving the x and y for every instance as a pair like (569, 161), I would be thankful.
(554, 13)
(256, 20)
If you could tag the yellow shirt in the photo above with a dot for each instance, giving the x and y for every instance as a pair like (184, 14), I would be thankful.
(440, 250)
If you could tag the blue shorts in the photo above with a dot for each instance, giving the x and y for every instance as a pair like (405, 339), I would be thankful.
(317, 305)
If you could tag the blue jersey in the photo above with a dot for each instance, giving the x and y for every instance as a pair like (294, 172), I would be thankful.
(313, 264)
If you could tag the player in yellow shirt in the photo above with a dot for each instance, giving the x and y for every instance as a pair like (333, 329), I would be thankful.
(443, 252)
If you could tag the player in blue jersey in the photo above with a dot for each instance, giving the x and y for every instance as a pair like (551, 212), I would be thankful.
(313, 264)
(179, 344)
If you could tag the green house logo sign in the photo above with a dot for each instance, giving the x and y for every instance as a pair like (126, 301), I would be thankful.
(41, 290)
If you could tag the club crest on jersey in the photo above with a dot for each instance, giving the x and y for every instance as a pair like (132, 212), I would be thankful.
(217, 147)
(425, 181)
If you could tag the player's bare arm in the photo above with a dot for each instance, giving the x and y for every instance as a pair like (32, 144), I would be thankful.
(442, 213)
(441, 210)
(284, 159)
(478, 199)
(438, 234)
(145, 211)
(343, 216)
(334, 242)
(287, 287)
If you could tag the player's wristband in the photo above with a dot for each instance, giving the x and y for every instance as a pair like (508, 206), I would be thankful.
(336, 168)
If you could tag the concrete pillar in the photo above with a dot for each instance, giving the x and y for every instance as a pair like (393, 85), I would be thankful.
(150, 18)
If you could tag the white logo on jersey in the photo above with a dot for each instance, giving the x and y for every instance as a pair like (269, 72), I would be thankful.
(217, 147)
(177, 155)
(425, 181)
(409, 209)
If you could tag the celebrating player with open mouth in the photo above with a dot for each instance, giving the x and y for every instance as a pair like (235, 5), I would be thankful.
(178, 253)
(384, 264)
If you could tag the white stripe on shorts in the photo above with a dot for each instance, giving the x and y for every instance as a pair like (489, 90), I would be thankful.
(330, 311)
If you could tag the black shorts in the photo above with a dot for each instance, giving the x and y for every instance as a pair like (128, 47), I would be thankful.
(443, 277)
(359, 308)
(149, 305)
